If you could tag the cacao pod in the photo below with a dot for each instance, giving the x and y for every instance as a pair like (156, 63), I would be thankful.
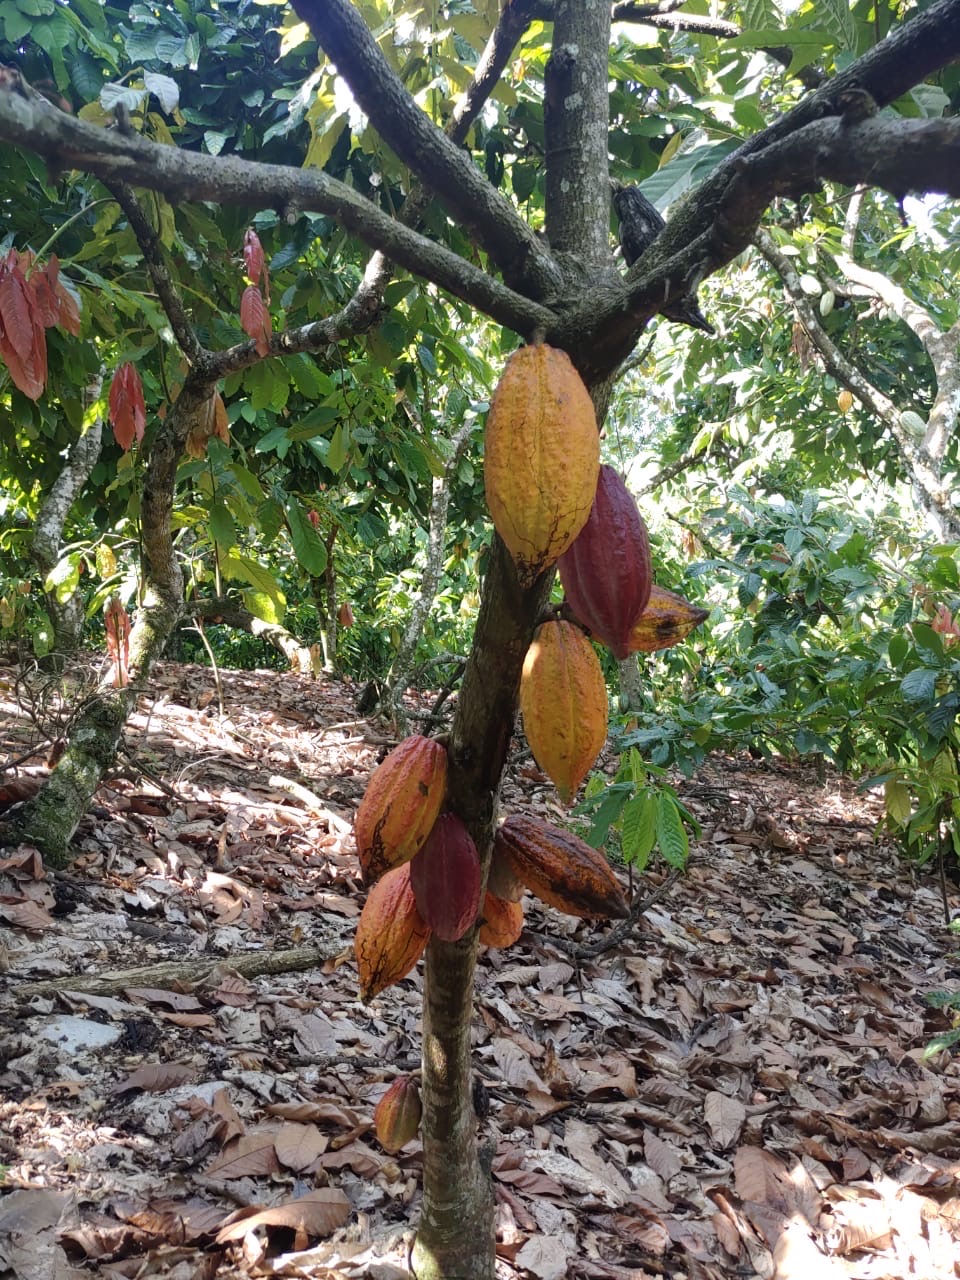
(541, 457)
(445, 876)
(391, 936)
(666, 620)
(502, 921)
(396, 1117)
(501, 879)
(345, 615)
(606, 573)
(563, 698)
(561, 869)
(400, 805)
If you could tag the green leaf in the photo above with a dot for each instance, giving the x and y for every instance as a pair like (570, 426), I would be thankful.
(897, 801)
(339, 448)
(222, 527)
(671, 833)
(164, 89)
(638, 828)
(836, 17)
(919, 685)
(63, 578)
(234, 565)
(897, 649)
(262, 606)
(307, 543)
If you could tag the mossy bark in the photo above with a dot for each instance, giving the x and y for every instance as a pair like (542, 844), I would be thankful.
(50, 819)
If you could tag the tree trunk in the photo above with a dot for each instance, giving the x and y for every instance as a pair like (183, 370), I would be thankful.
(67, 615)
(456, 1239)
(225, 612)
(50, 819)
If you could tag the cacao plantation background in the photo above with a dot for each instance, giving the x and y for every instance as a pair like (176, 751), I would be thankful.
(263, 268)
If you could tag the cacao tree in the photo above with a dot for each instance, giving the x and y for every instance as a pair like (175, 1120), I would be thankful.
(426, 195)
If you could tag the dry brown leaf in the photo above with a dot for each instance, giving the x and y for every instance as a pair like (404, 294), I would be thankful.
(251, 1156)
(318, 1213)
(156, 1077)
(545, 1257)
(299, 1145)
(315, 1113)
(661, 1156)
(25, 915)
(724, 1117)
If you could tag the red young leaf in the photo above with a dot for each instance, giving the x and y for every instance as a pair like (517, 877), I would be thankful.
(43, 286)
(23, 346)
(69, 309)
(17, 311)
(255, 319)
(28, 375)
(253, 258)
(128, 414)
(116, 621)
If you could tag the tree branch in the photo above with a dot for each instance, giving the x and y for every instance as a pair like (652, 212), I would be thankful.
(666, 18)
(442, 166)
(900, 155)
(935, 498)
(149, 243)
(925, 43)
(27, 119)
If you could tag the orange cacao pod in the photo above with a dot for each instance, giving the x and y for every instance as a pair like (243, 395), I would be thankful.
(563, 697)
(445, 877)
(541, 457)
(502, 921)
(561, 869)
(606, 574)
(390, 936)
(396, 1117)
(400, 805)
(666, 620)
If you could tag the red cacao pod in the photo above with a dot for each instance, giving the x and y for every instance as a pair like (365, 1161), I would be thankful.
(502, 921)
(606, 573)
(541, 456)
(563, 698)
(445, 876)
(561, 869)
(391, 935)
(400, 805)
(396, 1117)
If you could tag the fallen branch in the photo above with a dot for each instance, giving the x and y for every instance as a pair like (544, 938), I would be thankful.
(179, 973)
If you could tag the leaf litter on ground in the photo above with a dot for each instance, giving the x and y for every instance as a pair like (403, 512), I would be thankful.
(737, 1089)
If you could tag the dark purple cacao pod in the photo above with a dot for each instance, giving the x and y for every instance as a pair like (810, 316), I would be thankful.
(445, 876)
(606, 573)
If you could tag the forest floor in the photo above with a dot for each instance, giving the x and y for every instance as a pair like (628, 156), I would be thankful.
(738, 1090)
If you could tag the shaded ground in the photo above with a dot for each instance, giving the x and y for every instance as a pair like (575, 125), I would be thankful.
(739, 1090)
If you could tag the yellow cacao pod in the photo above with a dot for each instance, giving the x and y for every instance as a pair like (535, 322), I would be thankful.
(541, 457)
(502, 921)
(666, 620)
(563, 698)
(391, 936)
(400, 805)
(396, 1117)
(561, 869)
